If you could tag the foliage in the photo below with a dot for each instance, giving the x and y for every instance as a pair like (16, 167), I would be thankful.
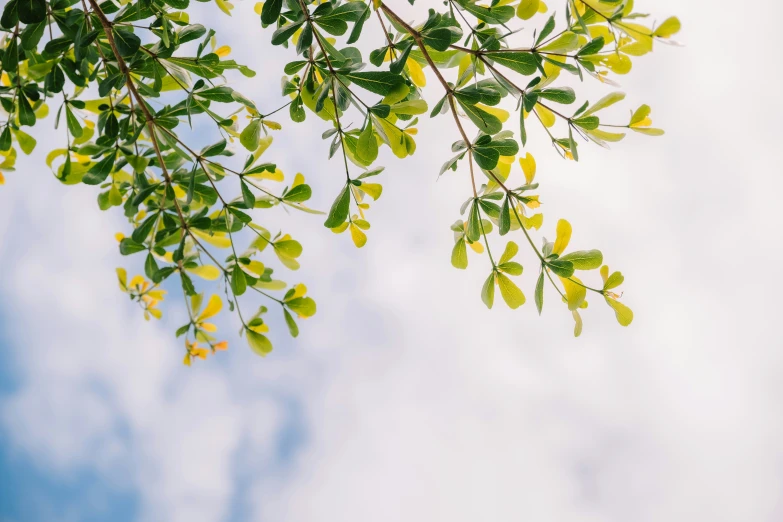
(131, 79)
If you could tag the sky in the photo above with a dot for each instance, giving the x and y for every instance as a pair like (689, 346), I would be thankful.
(404, 397)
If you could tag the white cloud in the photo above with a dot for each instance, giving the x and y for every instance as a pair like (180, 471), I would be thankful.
(418, 402)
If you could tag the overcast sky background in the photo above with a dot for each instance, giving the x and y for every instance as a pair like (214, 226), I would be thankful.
(404, 398)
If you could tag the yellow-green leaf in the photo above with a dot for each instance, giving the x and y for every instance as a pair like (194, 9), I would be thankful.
(511, 293)
(623, 313)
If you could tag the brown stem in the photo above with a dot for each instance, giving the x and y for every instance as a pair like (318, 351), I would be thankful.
(107, 29)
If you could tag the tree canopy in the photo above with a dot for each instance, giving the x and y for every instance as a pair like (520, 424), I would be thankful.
(131, 78)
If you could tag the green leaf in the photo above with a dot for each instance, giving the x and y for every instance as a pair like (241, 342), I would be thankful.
(584, 259)
(304, 306)
(340, 209)
(486, 157)
(546, 30)
(271, 11)
(129, 246)
(150, 266)
(491, 15)
(474, 223)
(563, 95)
(459, 255)
(74, 127)
(592, 47)
(5, 139)
(293, 329)
(26, 142)
(504, 222)
(606, 101)
(367, 145)
(247, 196)
(127, 41)
(258, 342)
(488, 291)
(214, 149)
(100, 171)
(539, 297)
(378, 82)
(26, 114)
(31, 11)
(521, 62)
(486, 122)
(566, 42)
(238, 281)
(298, 194)
(561, 268)
(251, 135)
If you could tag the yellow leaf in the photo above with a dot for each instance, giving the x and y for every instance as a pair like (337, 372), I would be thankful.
(224, 6)
(646, 122)
(254, 268)
(477, 247)
(209, 327)
(195, 303)
(416, 72)
(217, 239)
(223, 51)
(498, 113)
(53, 155)
(578, 321)
(605, 273)
(623, 313)
(298, 180)
(534, 221)
(618, 63)
(208, 272)
(528, 164)
(263, 144)
(122, 276)
(339, 229)
(157, 295)
(527, 9)
(258, 7)
(300, 290)
(371, 189)
(270, 285)
(575, 292)
(547, 117)
(669, 27)
(213, 307)
(563, 236)
(277, 175)
(359, 237)
(42, 111)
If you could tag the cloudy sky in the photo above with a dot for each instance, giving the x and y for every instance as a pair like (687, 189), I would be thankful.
(404, 398)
